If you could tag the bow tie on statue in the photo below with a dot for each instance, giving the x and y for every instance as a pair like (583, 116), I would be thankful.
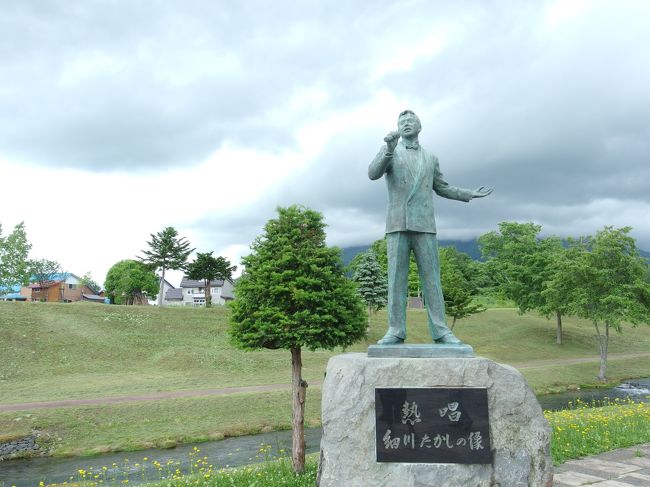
(415, 145)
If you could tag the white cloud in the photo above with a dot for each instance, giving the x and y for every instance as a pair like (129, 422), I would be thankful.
(407, 53)
(563, 11)
(88, 66)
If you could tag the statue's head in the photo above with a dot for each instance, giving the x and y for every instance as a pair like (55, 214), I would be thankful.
(408, 124)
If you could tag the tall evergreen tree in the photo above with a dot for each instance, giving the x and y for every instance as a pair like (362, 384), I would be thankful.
(166, 252)
(207, 268)
(294, 294)
(380, 250)
(372, 284)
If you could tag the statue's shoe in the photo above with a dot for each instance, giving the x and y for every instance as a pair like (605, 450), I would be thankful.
(449, 339)
(390, 340)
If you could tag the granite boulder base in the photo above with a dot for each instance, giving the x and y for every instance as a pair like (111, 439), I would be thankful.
(519, 436)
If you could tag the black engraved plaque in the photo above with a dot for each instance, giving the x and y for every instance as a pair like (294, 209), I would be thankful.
(432, 425)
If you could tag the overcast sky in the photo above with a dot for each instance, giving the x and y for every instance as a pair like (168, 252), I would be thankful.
(118, 118)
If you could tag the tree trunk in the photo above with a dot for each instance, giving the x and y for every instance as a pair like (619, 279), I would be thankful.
(558, 316)
(138, 298)
(161, 288)
(299, 391)
(453, 323)
(603, 343)
(208, 294)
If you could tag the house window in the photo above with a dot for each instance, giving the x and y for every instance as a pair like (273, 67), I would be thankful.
(189, 291)
(72, 286)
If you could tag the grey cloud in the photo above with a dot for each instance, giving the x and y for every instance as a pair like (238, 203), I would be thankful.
(159, 86)
(553, 119)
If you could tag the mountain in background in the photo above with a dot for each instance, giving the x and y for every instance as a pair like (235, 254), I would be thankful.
(470, 247)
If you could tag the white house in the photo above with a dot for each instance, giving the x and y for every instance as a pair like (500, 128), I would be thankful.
(167, 287)
(192, 293)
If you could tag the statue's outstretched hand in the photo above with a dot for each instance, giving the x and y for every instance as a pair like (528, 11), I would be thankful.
(391, 141)
(482, 192)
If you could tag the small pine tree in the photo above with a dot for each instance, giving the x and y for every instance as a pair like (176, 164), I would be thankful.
(371, 281)
(208, 268)
(294, 294)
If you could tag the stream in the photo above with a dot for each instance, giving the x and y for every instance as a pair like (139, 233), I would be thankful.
(237, 451)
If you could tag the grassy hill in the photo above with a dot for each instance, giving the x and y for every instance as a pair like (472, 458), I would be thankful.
(91, 350)
(82, 350)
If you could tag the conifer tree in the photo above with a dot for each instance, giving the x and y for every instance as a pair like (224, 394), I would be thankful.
(208, 268)
(166, 252)
(293, 294)
(371, 281)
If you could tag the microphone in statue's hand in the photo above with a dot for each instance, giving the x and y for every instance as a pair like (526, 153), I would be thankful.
(393, 136)
(391, 141)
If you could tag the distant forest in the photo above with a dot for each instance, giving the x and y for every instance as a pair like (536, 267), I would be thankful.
(470, 247)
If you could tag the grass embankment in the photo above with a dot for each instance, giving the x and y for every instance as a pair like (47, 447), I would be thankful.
(272, 471)
(577, 432)
(73, 351)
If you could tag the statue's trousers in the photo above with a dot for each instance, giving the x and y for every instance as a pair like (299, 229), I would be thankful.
(425, 248)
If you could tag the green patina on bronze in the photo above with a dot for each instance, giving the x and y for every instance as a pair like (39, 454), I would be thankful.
(411, 174)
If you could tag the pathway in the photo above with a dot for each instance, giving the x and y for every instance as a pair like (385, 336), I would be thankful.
(627, 467)
(268, 387)
(146, 397)
(533, 364)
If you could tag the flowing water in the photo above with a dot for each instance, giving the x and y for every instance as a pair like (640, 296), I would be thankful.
(236, 451)
(636, 390)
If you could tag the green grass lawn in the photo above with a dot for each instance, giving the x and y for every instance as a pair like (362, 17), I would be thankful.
(90, 430)
(73, 351)
(577, 432)
(57, 351)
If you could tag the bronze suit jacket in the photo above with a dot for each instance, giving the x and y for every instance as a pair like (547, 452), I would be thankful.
(410, 197)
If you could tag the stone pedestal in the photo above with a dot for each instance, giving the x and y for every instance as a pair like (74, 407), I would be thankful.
(519, 434)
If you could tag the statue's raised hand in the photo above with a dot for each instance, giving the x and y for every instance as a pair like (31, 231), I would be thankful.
(391, 141)
(482, 192)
